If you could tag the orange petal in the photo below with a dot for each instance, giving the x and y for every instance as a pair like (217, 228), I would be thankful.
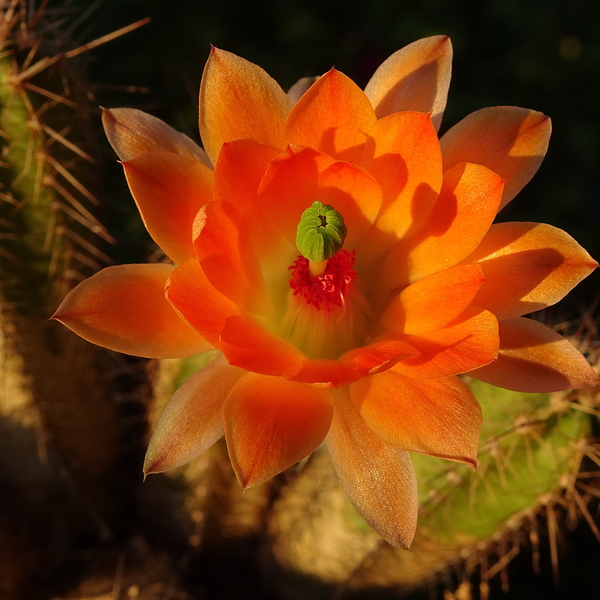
(192, 421)
(332, 116)
(465, 344)
(123, 308)
(198, 302)
(533, 358)
(439, 417)
(239, 101)
(169, 189)
(460, 218)
(132, 132)
(271, 423)
(239, 170)
(228, 258)
(528, 266)
(378, 357)
(250, 346)
(416, 78)
(407, 164)
(379, 480)
(296, 178)
(510, 141)
(432, 302)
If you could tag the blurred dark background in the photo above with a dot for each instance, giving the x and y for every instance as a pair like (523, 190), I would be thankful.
(540, 54)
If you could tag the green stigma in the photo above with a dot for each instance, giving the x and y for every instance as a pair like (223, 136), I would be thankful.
(321, 232)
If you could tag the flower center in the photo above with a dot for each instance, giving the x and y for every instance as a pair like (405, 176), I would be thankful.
(328, 290)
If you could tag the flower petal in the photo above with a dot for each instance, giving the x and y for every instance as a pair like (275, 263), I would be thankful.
(378, 356)
(509, 140)
(192, 421)
(132, 132)
(271, 423)
(528, 266)
(460, 218)
(465, 344)
(297, 177)
(253, 348)
(239, 170)
(533, 358)
(239, 101)
(198, 302)
(434, 301)
(332, 116)
(406, 161)
(123, 308)
(416, 78)
(169, 189)
(439, 417)
(379, 480)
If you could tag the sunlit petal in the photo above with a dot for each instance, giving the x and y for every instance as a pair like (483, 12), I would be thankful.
(440, 417)
(416, 77)
(192, 421)
(379, 480)
(271, 423)
(234, 86)
(124, 308)
(533, 358)
(510, 141)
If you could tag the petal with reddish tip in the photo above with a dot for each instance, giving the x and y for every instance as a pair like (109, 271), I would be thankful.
(460, 218)
(250, 346)
(193, 420)
(332, 116)
(124, 308)
(239, 101)
(169, 189)
(528, 266)
(432, 302)
(132, 132)
(467, 343)
(417, 77)
(407, 162)
(271, 423)
(379, 480)
(439, 417)
(198, 302)
(533, 358)
(509, 140)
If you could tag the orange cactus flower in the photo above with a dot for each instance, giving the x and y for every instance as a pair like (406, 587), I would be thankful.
(360, 349)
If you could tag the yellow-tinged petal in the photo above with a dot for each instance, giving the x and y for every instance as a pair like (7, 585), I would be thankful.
(467, 343)
(533, 358)
(416, 77)
(332, 116)
(124, 308)
(132, 132)
(460, 218)
(192, 421)
(271, 423)
(434, 301)
(239, 101)
(198, 302)
(528, 266)
(406, 161)
(509, 140)
(169, 189)
(379, 480)
(439, 417)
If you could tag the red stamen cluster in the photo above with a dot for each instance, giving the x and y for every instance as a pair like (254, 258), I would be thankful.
(328, 290)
